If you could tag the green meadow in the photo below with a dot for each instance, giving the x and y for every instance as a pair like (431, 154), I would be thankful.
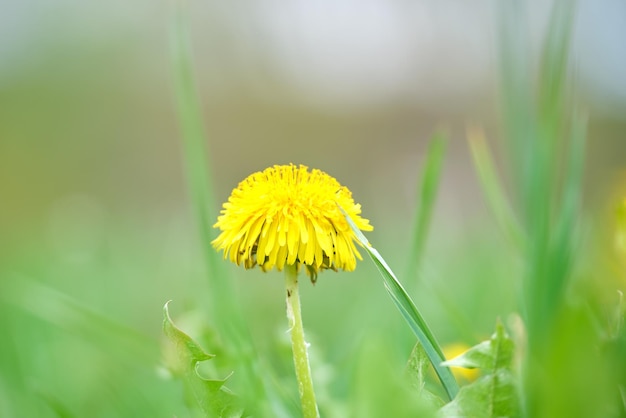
(491, 285)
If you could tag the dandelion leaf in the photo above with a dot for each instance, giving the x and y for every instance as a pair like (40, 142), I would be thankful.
(209, 395)
(494, 394)
(417, 368)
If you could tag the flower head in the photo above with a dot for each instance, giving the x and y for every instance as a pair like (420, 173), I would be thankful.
(288, 215)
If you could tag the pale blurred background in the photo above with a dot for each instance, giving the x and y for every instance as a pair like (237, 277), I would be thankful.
(93, 198)
(355, 88)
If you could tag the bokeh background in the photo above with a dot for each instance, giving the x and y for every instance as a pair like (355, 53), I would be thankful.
(96, 229)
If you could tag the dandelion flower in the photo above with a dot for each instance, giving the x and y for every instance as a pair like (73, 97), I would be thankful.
(287, 215)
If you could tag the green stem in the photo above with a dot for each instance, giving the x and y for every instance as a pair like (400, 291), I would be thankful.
(299, 346)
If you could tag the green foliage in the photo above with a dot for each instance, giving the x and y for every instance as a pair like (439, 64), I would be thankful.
(545, 140)
(77, 312)
(494, 394)
(614, 349)
(210, 395)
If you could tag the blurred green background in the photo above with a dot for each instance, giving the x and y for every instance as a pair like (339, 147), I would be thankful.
(95, 223)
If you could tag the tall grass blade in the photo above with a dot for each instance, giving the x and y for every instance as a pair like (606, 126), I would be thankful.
(565, 231)
(548, 252)
(225, 314)
(199, 175)
(427, 194)
(516, 90)
(493, 189)
(553, 79)
(549, 171)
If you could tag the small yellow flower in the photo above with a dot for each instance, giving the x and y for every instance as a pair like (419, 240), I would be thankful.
(453, 350)
(288, 215)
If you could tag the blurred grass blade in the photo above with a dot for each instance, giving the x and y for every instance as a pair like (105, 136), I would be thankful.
(554, 65)
(193, 132)
(59, 309)
(410, 313)
(225, 314)
(494, 192)
(575, 166)
(567, 218)
(548, 170)
(551, 242)
(516, 101)
(616, 323)
(56, 405)
(224, 311)
(221, 294)
(426, 195)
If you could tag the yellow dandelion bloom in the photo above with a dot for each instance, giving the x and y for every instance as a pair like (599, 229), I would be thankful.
(453, 350)
(288, 215)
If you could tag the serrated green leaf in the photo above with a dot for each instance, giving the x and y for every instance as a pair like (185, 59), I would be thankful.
(210, 395)
(490, 396)
(416, 371)
(188, 351)
(494, 394)
(417, 367)
(477, 357)
(218, 401)
(491, 355)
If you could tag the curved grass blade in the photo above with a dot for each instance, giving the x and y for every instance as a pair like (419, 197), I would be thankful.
(409, 311)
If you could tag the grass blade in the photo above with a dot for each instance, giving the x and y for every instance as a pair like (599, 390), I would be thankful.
(494, 192)
(426, 195)
(198, 174)
(223, 305)
(409, 311)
